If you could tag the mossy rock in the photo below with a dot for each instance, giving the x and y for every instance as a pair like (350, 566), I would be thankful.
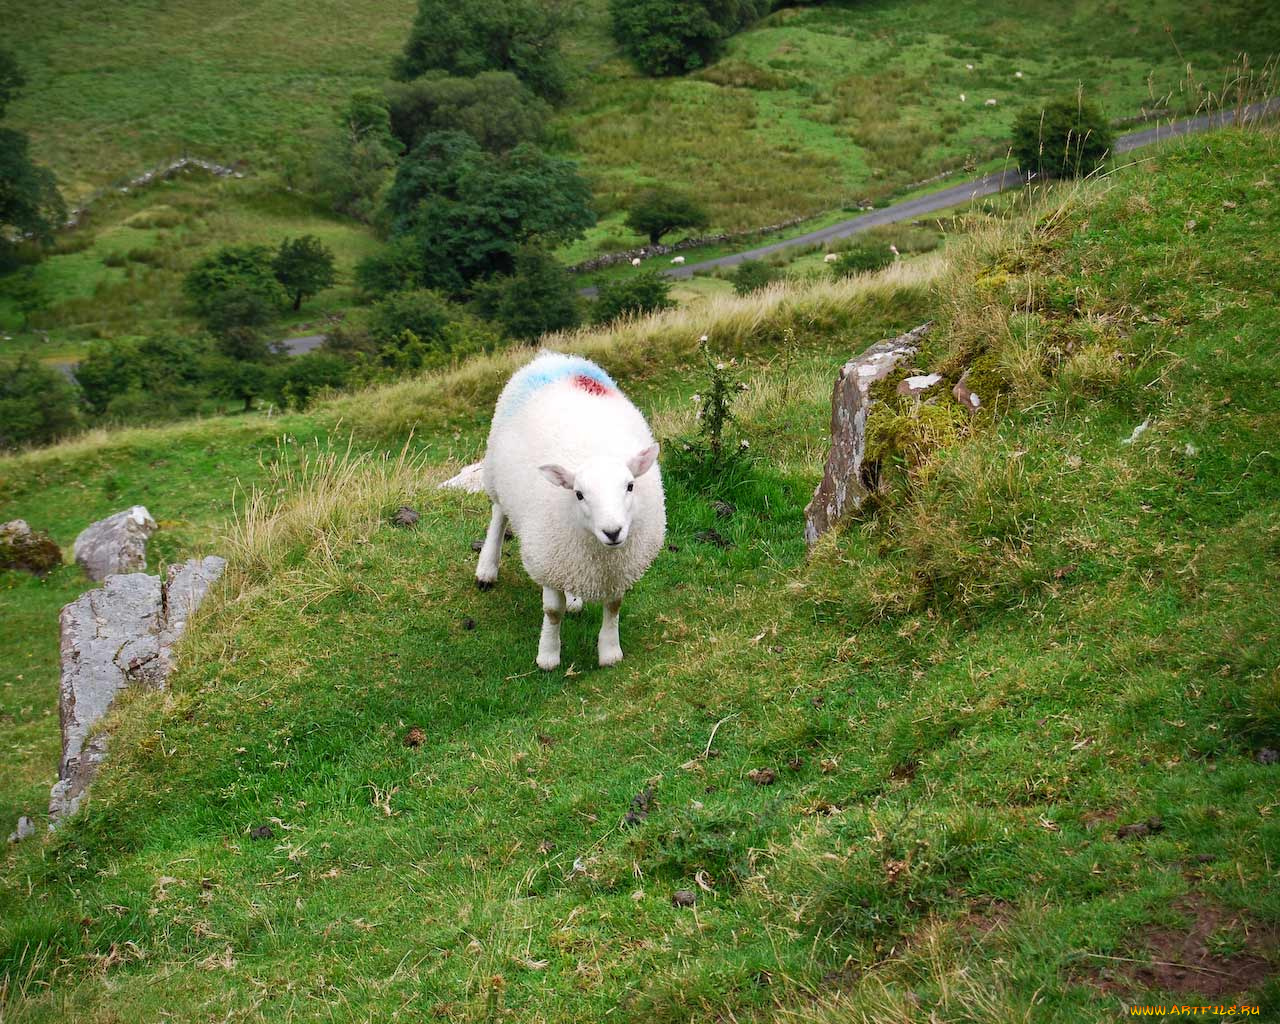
(28, 550)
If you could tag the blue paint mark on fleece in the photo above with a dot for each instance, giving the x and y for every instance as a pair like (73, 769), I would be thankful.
(542, 372)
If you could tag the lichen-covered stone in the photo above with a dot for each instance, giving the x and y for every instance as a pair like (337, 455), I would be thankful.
(843, 487)
(117, 544)
(121, 634)
(30, 550)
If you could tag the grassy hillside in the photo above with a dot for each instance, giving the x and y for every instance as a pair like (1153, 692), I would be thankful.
(1040, 635)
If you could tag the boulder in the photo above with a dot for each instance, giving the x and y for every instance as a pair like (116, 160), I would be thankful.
(117, 544)
(24, 548)
(118, 635)
(843, 488)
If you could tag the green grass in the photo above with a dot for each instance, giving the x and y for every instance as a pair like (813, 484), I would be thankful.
(1039, 634)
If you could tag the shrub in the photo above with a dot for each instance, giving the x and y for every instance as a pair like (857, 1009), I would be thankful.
(425, 313)
(643, 292)
(396, 267)
(752, 275)
(354, 164)
(495, 108)
(170, 371)
(37, 404)
(303, 266)
(659, 211)
(862, 259)
(670, 37)
(538, 297)
(519, 36)
(300, 380)
(1068, 138)
(235, 289)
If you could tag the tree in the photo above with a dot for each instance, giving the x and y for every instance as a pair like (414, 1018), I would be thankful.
(752, 275)
(659, 211)
(671, 37)
(30, 205)
(354, 164)
(634, 295)
(467, 211)
(494, 107)
(235, 289)
(519, 36)
(425, 313)
(396, 267)
(1068, 138)
(539, 296)
(37, 405)
(303, 266)
(298, 381)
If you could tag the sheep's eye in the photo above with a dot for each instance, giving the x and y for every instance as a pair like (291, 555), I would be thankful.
(579, 494)
(631, 486)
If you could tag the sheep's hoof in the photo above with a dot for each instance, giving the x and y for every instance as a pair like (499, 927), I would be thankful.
(547, 662)
(484, 584)
(610, 656)
(572, 603)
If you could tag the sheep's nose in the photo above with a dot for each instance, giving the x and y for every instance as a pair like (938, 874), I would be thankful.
(613, 534)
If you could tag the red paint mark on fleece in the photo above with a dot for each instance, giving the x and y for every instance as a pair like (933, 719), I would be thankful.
(590, 385)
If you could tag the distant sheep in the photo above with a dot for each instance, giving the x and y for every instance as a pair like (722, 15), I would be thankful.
(678, 260)
(962, 97)
(830, 257)
(573, 465)
(990, 103)
(636, 262)
(894, 249)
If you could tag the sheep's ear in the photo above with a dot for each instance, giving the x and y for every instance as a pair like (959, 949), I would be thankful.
(558, 475)
(642, 462)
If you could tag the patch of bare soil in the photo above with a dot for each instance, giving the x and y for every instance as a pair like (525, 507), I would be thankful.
(1219, 953)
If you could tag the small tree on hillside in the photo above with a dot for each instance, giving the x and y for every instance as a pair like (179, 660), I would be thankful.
(30, 204)
(494, 107)
(1068, 138)
(538, 297)
(659, 211)
(235, 289)
(303, 266)
(671, 37)
(354, 164)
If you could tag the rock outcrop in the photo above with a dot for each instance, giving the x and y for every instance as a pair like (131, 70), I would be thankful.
(843, 486)
(29, 550)
(117, 544)
(119, 635)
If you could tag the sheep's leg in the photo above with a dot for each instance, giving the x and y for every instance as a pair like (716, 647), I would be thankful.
(487, 567)
(552, 614)
(610, 647)
(572, 603)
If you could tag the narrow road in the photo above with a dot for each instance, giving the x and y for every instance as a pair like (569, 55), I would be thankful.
(954, 195)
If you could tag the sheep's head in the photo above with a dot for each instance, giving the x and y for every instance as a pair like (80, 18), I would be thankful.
(603, 490)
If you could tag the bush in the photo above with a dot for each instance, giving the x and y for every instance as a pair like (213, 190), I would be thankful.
(417, 330)
(37, 405)
(495, 108)
(170, 371)
(519, 36)
(300, 380)
(539, 297)
(862, 259)
(425, 313)
(397, 267)
(752, 275)
(643, 292)
(659, 211)
(235, 289)
(670, 37)
(1070, 137)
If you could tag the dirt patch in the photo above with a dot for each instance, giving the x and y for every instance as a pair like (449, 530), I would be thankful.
(1217, 953)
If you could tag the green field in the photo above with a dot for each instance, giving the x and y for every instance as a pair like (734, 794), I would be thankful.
(1038, 635)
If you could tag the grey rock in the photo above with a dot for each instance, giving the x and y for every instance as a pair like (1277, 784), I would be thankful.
(25, 830)
(843, 487)
(117, 544)
(119, 635)
(917, 386)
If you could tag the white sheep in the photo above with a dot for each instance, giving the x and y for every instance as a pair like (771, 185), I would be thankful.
(678, 260)
(572, 464)
(635, 262)
(990, 103)
(830, 257)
